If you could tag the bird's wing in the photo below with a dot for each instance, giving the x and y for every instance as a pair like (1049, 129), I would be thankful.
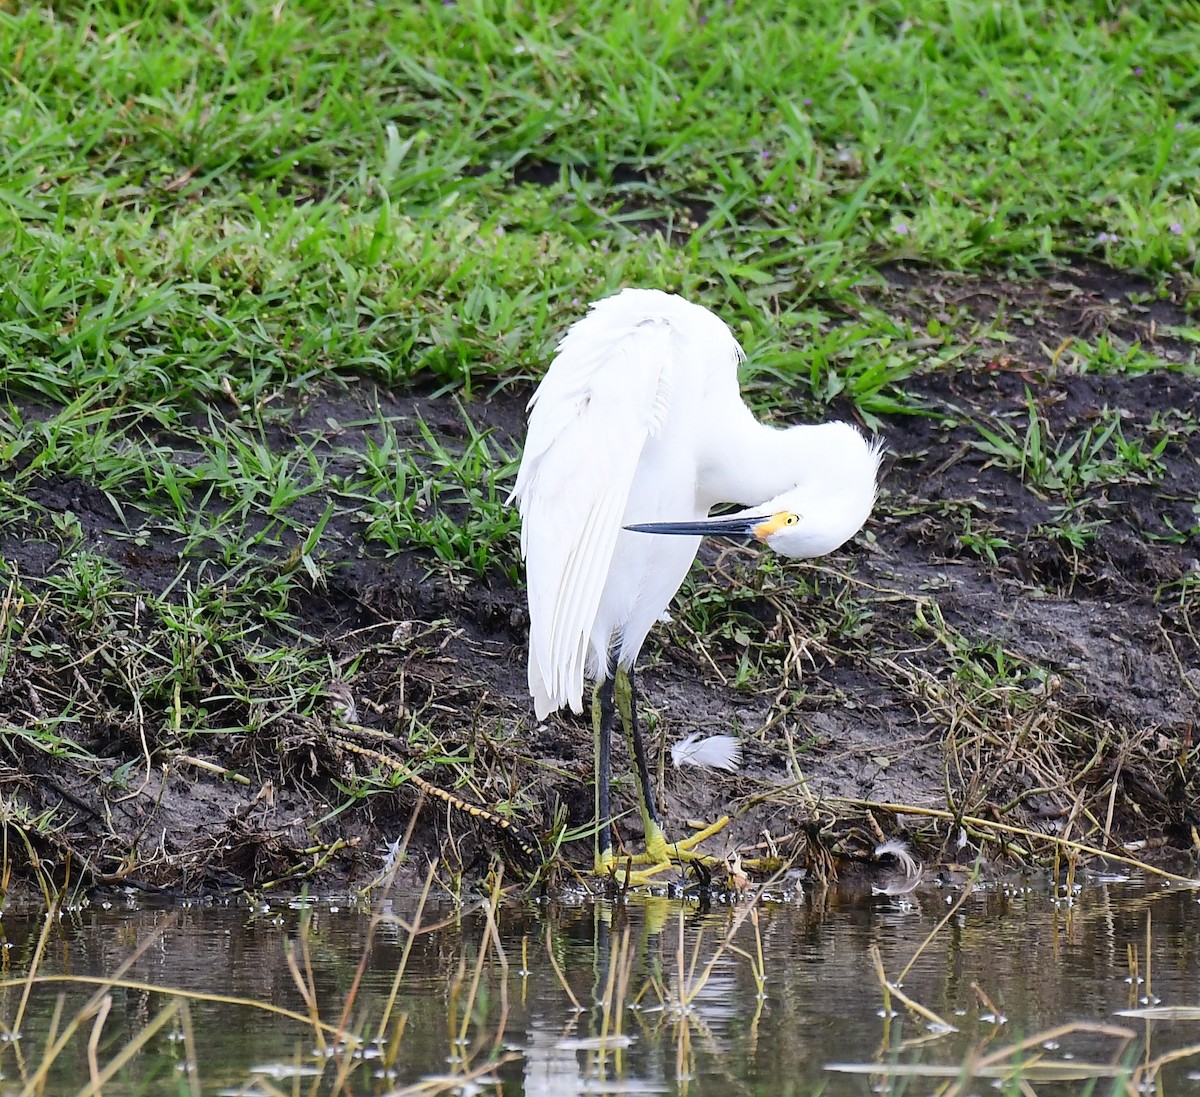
(605, 393)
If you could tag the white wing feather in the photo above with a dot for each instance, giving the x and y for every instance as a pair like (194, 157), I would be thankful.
(715, 752)
(605, 393)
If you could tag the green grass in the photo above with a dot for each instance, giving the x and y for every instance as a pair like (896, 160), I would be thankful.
(1072, 465)
(227, 205)
(213, 214)
(451, 502)
(266, 195)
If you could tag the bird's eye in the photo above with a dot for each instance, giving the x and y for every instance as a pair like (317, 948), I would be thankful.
(792, 519)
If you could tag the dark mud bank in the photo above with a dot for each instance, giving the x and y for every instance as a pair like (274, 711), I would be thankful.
(1008, 644)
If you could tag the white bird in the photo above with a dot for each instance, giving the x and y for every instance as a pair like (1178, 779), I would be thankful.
(639, 428)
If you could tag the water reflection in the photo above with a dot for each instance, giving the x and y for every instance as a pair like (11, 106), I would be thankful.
(575, 996)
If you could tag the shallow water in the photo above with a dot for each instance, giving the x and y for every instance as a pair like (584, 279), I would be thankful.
(515, 1002)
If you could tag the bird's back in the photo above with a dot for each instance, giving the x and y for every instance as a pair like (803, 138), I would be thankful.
(612, 440)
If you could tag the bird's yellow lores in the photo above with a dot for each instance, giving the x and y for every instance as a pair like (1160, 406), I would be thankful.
(639, 428)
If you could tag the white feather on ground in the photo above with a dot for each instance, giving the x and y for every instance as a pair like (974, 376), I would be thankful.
(715, 752)
(896, 847)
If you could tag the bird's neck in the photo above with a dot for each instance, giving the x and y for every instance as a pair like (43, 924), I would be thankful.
(748, 461)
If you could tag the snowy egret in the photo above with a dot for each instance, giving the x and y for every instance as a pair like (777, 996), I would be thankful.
(637, 429)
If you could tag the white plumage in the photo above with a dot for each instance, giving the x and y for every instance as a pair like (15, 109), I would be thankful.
(713, 752)
(639, 420)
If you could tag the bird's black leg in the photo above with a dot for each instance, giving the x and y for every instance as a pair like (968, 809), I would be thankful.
(626, 695)
(660, 853)
(602, 722)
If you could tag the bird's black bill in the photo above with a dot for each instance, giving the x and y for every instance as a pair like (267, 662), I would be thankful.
(735, 529)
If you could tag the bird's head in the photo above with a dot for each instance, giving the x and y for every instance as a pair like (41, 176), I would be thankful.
(803, 523)
(816, 516)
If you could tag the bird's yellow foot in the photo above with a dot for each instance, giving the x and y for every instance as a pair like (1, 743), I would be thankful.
(621, 870)
(660, 856)
(659, 850)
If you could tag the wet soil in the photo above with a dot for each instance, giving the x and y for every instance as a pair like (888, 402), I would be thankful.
(998, 646)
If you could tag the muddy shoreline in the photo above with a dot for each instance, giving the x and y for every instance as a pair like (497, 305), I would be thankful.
(1004, 644)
